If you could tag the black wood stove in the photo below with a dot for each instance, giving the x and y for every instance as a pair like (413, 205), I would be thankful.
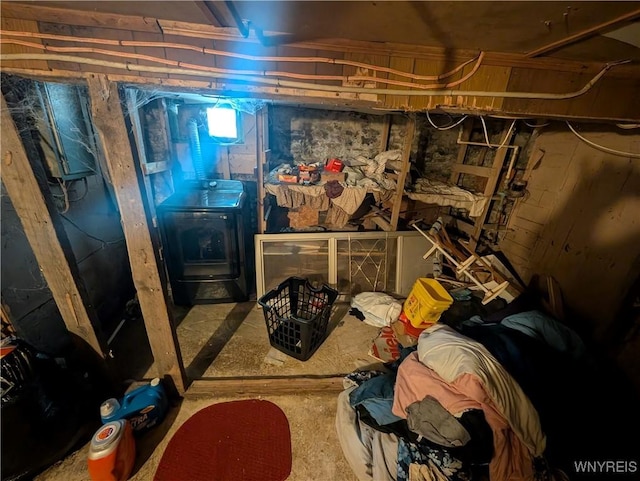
(207, 242)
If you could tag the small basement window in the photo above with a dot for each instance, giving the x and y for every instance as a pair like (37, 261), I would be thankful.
(223, 123)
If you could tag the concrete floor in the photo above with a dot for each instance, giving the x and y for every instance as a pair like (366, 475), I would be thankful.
(225, 340)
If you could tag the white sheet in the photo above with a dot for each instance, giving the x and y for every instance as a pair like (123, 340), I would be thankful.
(435, 192)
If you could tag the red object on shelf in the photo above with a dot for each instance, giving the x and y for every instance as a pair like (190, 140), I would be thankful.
(334, 165)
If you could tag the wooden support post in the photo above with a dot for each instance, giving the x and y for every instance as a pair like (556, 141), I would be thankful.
(386, 131)
(26, 184)
(261, 125)
(109, 121)
(406, 154)
(462, 151)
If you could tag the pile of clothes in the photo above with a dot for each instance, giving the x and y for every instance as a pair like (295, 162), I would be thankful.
(506, 399)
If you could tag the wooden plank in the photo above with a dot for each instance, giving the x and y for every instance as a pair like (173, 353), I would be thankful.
(310, 97)
(155, 167)
(612, 95)
(262, 120)
(159, 147)
(248, 49)
(224, 167)
(110, 34)
(58, 29)
(406, 154)
(431, 67)
(152, 51)
(537, 81)
(76, 17)
(576, 37)
(108, 118)
(492, 182)
(378, 60)
(609, 96)
(487, 78)
(405, 65)
(265, 386)
(467, 127)
(386, 130)
(472, 169)
(211, 12)
(26, 185)
(190, 56)
(380, 222)
(330, 68)
(303, 68)
(132, 23)
(26, 26)
(459, 224)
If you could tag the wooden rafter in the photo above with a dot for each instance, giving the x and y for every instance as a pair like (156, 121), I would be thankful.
(590, 32)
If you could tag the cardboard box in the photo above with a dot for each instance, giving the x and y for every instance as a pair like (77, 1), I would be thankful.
(326, 176)
(402, 336)
(385, 347)
(288, 178)
(302, 217)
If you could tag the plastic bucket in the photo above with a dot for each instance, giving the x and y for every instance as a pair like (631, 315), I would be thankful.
(426, 302)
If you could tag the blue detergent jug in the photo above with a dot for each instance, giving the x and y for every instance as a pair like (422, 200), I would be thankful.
(144, 407)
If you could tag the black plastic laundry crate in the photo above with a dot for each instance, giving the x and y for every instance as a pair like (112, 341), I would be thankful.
(297, 316)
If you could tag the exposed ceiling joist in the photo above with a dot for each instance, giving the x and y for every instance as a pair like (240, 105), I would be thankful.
(603, 27)
(208, 10)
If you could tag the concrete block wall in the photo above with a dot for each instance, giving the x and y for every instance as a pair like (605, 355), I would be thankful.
(579, 220)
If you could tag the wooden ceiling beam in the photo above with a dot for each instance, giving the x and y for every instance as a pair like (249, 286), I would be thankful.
(210, 12)
(200, 31)
(577, 37)
(79, 17)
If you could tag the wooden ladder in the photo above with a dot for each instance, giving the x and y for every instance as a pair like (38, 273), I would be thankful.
(492, 174)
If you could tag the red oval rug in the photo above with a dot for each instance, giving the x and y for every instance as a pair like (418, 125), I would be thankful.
(234, 441)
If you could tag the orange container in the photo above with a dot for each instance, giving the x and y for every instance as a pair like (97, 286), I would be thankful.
(426, 302)
(112, 452)
(408, 327)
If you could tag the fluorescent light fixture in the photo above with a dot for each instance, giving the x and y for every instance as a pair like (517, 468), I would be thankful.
(222, 122)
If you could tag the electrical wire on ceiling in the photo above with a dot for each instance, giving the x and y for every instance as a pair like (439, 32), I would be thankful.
(628, 126)
(601, 147)
(266, 73)
(451, 126)
(508, 135)
(504, 140)
(278, 83)
(484, 129)
(536, 126)
(257, 58)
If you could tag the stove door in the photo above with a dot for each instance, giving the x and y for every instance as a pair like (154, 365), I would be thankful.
(201, 245)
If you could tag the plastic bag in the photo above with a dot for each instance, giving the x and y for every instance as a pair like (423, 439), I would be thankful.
(379, 309)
